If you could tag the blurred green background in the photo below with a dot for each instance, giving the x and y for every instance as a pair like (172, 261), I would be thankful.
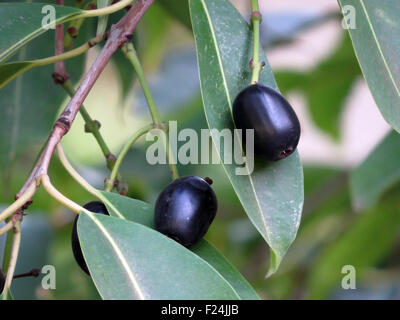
(315, 66)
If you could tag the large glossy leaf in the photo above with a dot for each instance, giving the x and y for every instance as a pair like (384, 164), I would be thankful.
(377, 44)
(130, 261)
(379, 171)
(143, 213)
(273, 194)
(22, 22)
(10, 71)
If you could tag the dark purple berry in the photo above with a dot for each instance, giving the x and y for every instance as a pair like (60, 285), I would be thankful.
(94, 206)
(276, 126)
(185, 209)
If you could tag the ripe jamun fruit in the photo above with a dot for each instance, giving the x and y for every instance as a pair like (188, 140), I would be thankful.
(276, 126)
(93, 206)
(185, 209)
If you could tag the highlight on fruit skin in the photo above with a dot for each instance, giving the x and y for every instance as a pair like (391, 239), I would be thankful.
(185, 209)
(93, 206)
(276, 126)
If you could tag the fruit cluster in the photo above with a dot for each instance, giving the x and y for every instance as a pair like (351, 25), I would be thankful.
(185, 209)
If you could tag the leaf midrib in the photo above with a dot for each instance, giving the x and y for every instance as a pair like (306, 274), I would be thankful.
(198, 257)
(230, 107)
(7, 53)
(379, 47)
(119, 255)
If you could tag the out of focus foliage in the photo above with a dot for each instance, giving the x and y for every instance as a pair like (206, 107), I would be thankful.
(332, 233)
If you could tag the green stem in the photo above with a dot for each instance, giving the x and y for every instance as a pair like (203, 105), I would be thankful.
(7, 250)
(74, 174)
(104, 11)
(124, 151)
(77, 20)
(77, 24)
(49, 60)
(256, 65)
(131, 55)
(171, 159)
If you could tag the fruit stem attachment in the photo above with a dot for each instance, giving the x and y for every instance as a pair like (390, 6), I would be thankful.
(130, 53)
(255, 63)
(124, 151)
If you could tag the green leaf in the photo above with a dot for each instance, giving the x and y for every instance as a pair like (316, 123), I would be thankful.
(378, 172)
(10, 71)
(272, 195)
(377, 46)
(22, 22)
(143, 213)
(130, 261)
(368, 240)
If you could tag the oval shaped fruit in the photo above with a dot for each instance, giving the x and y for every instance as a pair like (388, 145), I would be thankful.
(276, 126)
(93, 206)
(185, 209)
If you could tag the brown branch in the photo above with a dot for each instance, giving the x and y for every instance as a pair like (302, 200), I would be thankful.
(60, 74)
(119, 34)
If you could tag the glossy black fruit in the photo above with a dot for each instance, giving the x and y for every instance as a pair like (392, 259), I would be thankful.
(276, 126)
(185, 209)
(2, 281)
(94, 206)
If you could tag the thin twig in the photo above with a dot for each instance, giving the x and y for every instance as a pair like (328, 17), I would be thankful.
(119, 34)
(64, 160)
(74, 174)
(7, 227)
(130, 53)
(14, 256)
(20, 202)
(122, 154)
(59, 196)
(59, 68)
